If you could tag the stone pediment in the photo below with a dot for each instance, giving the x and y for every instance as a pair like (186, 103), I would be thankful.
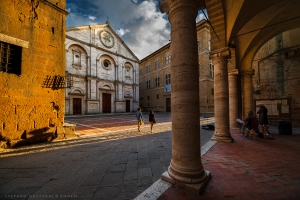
(101, 36)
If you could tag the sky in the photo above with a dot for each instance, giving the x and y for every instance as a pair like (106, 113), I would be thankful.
(139, 23)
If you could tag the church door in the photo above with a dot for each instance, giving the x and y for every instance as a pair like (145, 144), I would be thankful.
(76, 106)
(127, 105)
(106, 104)
(168, 104)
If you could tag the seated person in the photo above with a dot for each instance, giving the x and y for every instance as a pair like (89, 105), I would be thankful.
(251, 123)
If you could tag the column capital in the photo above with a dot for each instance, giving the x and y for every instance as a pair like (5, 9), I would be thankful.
(223, 53)
(165, 5)
(234, 72)
(248, 73)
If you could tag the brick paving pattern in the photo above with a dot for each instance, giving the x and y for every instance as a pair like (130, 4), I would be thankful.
(250, 169)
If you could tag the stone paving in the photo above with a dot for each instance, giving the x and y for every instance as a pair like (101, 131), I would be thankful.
(250, 170)
(110, 160)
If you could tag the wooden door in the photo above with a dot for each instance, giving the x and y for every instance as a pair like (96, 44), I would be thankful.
(168, 104)
(106, 103)
(127, 105)
(76, 106)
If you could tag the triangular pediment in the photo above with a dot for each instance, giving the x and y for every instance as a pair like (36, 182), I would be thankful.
(101, 36)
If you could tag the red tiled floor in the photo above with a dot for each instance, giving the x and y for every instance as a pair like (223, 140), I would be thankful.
(250, 169)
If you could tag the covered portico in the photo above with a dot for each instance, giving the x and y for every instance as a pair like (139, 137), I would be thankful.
(239, 29)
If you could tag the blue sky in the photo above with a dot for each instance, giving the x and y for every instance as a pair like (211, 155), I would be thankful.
(139, 23)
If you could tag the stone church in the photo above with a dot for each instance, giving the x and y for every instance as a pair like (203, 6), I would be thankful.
(103, 70)
(155, 76)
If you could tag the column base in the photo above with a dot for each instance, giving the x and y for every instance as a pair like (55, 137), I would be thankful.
(196, 188)
(228, 139)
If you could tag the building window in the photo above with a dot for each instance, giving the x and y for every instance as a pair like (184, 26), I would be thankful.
(212, 91)
(157, 84)
(168, 59)
(157, 96)
(198, 44)
(148, 68)
(148, 97)
(141, 71)
(141, 83)
(10, 58)
(211, 68)
(77, 59)
(168, 78)
(148, 84)
(157, 64)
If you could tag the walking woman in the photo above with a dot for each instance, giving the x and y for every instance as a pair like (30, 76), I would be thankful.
(151, 119)
(139, 117)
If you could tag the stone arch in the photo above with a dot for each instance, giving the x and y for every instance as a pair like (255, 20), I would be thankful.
(259, 41)
(111, 58)
(78, 45)
(106, 62)
(129, 64)
(76, 90)
(106, 86)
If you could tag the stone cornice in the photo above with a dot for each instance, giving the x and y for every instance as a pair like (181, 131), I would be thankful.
(55, 7)
(155, 53)
(87, 77)
(223, 53)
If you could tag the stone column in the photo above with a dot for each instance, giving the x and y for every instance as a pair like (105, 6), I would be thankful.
(186, 168)
(247, 91)
(233, 99)
(221, 95)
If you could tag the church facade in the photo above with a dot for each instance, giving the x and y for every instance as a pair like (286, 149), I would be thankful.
(155, 76)
(103, 72)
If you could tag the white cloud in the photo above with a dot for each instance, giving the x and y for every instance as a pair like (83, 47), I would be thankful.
(121, 32)
(142, 26)
(92, 17)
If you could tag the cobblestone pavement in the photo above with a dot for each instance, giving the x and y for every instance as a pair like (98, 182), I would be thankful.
(250, 170)
(110, 160)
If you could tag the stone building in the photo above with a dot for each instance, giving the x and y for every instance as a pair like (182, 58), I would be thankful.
(32, 70)
(104, 71)
(155, 76)
(276, 80)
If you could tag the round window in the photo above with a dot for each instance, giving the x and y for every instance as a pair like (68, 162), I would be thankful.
(105, 64)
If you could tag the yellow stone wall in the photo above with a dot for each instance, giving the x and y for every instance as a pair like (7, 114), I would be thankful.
(29, 111)
(148, 97)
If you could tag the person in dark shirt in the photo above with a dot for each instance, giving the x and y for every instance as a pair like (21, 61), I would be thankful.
(151, 119)
(251, 123)
(263, 117)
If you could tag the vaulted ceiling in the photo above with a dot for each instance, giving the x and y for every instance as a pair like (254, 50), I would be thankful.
(248, 24)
